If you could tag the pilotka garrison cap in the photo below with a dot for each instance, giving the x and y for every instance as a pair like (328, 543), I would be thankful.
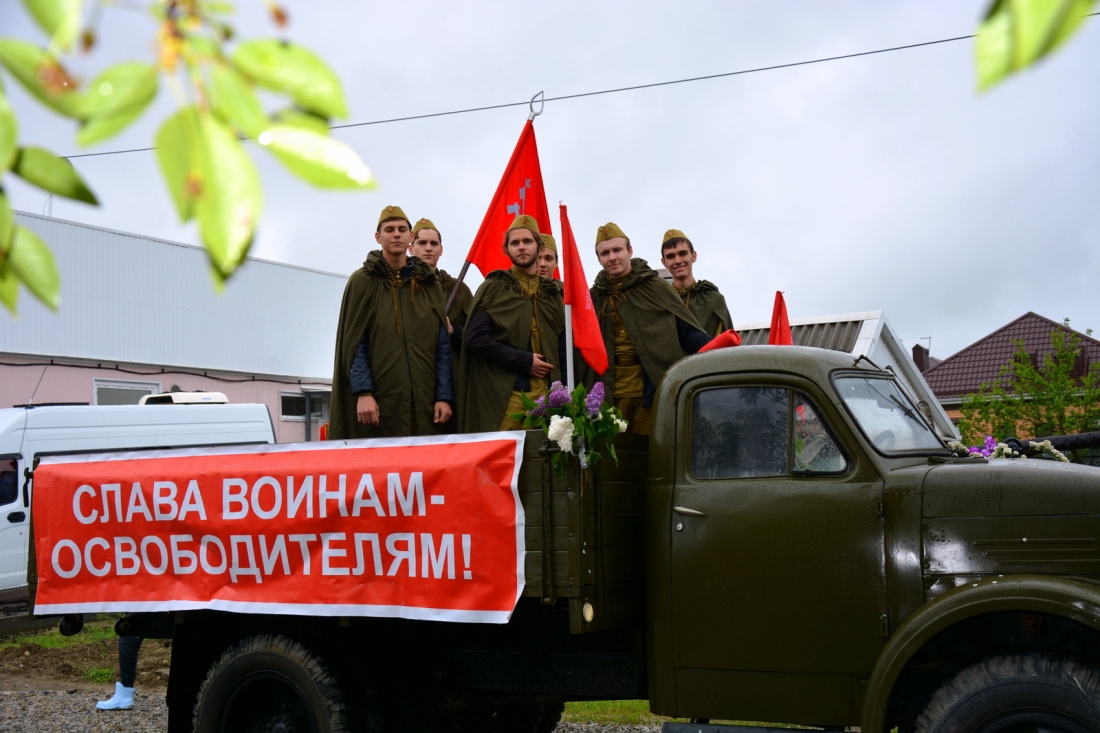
(424, 224)
(610, 230)
(673, 234)
(392, 212)
(549, 243)
(525, 221)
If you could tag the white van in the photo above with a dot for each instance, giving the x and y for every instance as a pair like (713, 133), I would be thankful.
(26, 432)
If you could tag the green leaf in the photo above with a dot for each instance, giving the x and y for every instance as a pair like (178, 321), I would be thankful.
(7, 223)
(9, 287)
(177, 143)
(32, 262)
(103, 128)
(214, 7)
(41, 75)
(1017, 33)
(303, 119)
(120, 88)
(293, 70)
(316, 158)
(42, 168)
(9, 134)
(234, 100)
(230, 199)
(59, 18)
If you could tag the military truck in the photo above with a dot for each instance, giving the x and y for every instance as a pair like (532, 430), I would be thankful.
(792, 544)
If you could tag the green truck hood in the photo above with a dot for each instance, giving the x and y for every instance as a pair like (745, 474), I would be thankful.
(1011, 516)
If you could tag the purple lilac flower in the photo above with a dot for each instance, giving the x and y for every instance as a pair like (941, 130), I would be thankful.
(559, 397)
(986, 450)
(540, 407)
(594, 399)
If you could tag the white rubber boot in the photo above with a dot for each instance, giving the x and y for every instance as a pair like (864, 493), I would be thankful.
(123, 699)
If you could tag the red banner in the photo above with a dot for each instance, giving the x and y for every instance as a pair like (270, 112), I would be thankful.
(419, 528)
(520, 191)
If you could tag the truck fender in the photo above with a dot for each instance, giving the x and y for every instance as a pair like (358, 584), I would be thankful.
(1075, 600)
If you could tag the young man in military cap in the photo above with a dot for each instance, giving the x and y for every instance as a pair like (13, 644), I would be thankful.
(516, 322)
(645, 326)
(392, 375)
(548, 257)
(700, 296)
(427, 244)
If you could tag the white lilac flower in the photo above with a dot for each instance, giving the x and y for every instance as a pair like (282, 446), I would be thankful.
(561, 432)
(621, 425)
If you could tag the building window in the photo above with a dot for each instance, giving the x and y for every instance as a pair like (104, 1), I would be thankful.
(119, 392)
(294, 406)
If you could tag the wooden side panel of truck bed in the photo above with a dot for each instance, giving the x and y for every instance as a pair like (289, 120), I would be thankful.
(585, 532)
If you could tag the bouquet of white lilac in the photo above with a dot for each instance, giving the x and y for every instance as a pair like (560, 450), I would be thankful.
(580, 423)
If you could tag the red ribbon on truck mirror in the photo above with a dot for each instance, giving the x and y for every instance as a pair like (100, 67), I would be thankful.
(418, 528)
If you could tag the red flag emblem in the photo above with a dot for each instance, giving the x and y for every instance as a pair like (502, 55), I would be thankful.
(780, 332)
(520, 192)
(586, 327)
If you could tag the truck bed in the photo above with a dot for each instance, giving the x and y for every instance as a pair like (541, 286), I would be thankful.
(585, 532)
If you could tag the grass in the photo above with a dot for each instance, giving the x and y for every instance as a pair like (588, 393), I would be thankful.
(99, 675)
(93, 632)
(632, 712)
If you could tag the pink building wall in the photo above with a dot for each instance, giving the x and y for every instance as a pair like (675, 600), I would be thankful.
(74, 381)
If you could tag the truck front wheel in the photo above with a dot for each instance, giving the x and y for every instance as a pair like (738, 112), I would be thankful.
(1017, 694)
(269, 683)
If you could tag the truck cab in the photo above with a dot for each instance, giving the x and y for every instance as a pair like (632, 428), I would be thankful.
(812, 541)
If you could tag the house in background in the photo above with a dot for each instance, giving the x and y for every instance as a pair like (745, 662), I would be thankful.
(140, 315)
(863, 334)
(964, 372)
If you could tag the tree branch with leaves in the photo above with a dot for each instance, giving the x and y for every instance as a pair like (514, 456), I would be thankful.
(210, 177)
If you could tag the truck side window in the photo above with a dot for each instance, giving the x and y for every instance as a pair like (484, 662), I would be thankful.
(741, 432)
(815, 451)
(9, 482)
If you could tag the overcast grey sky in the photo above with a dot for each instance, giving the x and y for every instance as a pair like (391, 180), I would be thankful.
(882, 182)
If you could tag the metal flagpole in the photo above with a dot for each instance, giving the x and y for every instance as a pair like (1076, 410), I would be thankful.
(571, 377)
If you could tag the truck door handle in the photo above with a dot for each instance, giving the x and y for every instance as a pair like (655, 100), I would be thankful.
(688, 512)
(16, 517)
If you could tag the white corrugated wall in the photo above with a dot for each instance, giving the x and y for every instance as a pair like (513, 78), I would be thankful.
(127, 298)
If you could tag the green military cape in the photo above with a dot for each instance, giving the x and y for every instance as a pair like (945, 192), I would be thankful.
(402, 350)
(483, 387)
(708, 306)
(648, 307)
(461, 306)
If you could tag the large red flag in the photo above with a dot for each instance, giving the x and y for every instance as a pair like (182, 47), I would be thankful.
(586, 327)
(780, 332)
(520, 192)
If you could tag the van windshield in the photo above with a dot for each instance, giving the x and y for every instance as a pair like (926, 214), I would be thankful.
(886, 415)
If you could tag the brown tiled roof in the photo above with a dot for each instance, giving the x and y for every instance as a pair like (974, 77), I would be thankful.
(966, 371)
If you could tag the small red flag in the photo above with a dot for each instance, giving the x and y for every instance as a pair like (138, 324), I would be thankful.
(520, 192)
(723, 340)
(586, 327)
(780, 332)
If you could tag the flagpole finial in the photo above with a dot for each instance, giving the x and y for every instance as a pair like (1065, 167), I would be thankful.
(531, 105)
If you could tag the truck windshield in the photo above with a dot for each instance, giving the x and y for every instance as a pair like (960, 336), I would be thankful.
(886, 415)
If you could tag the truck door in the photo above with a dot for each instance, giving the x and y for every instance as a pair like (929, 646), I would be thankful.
(14, 523)
(778, 583)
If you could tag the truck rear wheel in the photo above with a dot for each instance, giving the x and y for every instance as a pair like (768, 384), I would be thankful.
(491, 719)
(269, 683)
(551, 716)
(1017, 694)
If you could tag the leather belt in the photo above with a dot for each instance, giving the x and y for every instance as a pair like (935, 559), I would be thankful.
(627, 360)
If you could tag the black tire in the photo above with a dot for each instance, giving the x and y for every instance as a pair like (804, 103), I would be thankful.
(491, 719)
(267, 683)
(551, 716)
(1017, 694)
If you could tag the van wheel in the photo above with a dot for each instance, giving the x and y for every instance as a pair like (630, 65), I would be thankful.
(491, 719)
(269, 684)
(551, 716)
(1017, 694)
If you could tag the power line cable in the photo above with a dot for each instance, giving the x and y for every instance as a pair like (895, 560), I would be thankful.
(615, 90)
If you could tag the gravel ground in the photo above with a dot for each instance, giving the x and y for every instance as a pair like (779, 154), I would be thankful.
(45, 711)
(74, 711)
